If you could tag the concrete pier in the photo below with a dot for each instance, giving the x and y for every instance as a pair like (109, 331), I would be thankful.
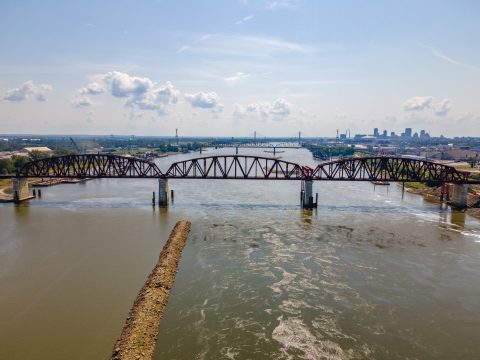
(307, 201)
(459, 197)
(20, 189)
(162, 192)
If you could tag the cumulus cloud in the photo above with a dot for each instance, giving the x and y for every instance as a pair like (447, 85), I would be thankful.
(280, 107)
(443, 107)
(124, 85)
(140, 92)
(205, 100)
(276, 110)
(81, 101)
(93, 88)
(155, 98)
(238, 77)
(28, 90)
(418, 103)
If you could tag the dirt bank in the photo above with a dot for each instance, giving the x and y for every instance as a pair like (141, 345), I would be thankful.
(139, 334)
(5, 190)
(433, 194)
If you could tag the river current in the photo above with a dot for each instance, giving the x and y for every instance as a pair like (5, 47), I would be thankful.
(368, 275)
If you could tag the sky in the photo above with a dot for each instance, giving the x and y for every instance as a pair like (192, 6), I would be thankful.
(232, 67)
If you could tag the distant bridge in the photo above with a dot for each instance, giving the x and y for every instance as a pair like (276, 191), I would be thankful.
(258, 145)
(244, 167)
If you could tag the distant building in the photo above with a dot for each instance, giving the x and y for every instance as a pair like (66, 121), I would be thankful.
(375, 132)
(385, 133)
(41, 149)
(408, 132)
(358, 136)
(392, 134)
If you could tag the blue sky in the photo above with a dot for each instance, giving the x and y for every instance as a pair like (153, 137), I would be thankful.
(230, 67)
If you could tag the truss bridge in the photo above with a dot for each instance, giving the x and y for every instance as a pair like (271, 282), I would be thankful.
(243, 167)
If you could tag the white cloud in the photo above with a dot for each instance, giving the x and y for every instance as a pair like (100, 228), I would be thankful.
(276, 110)
(281, 4)
(469, 118)
(205, 100)
(238, 77)
(155, 98)
(93, 88)
(443, 107)
(248, 46)
(27, 90)
(238, 111)
(418, 103)
(139, 92)
(439, 54)
(124, 85)
(245, 19)
(280, 107)
(81, 101)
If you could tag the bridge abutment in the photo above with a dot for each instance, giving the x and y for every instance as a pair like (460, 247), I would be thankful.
(20, 189)
(162, 192)
(459, 197)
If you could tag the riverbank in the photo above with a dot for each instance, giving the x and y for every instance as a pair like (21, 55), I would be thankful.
(139, 334)
(6, 190)
(433, 194)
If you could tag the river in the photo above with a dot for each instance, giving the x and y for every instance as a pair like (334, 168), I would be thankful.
(368, 275)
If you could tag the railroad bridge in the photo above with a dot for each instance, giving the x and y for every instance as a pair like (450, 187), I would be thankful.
(242, 167)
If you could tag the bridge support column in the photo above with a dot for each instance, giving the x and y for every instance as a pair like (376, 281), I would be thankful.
(162, 192)
(20, 189)
(307, 201)
(460, 195)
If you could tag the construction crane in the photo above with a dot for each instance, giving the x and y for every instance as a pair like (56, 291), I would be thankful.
(79, 151)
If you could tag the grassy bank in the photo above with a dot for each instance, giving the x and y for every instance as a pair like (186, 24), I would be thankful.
(415, 185)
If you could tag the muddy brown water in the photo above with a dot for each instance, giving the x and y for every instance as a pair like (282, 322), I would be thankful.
(367, 275)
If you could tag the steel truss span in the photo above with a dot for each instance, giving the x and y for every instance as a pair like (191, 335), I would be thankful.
(91, 166)
(236, 167)
(246, 168)
(388, 169)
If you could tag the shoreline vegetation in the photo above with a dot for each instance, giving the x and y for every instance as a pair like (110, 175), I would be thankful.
(139, 335)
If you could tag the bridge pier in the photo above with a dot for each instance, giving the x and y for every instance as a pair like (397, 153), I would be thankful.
(307, 191)
(20, 189)
(162, 192)
(459, 197)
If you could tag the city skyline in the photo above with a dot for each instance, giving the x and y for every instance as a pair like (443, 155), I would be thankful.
(229, 68)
